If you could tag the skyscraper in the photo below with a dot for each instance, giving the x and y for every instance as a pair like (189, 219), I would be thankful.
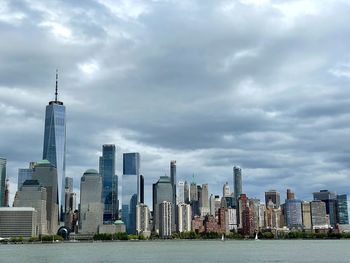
(318, 215)
(91, 205)
(162, 191)
(180, 196)
(131, 176)
(226, 190)
(204, 205)
(184, 217)
(293, 214)
(290, 194)
(46, 174)
(165, 219)
(110, 183)
(142, 189)
(142, 219)
(54, 149)
(173, 201)
(2, 180)
(330, 199)
(342, 209)
(274, 197)
(25, 174)
(237, 178)
(32, 194)
(186, 193)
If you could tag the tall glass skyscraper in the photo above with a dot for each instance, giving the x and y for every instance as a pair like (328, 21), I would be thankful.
(55, 142)
(342, 209)
(237, 180)
(2, 180)
(130, 189)
(110, 183)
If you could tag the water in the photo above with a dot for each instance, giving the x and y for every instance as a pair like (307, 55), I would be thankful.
(181, 251)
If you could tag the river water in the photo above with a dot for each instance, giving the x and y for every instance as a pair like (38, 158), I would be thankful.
(181, 251)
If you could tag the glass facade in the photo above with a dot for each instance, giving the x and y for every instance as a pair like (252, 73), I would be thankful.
(162, 191)
(293, 213)
(342, 209)
(55, 144)
(130, 190)
(110, 183)
(2, 180)
(25, 174)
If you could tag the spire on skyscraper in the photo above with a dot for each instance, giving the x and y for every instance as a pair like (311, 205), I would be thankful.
(56, 91)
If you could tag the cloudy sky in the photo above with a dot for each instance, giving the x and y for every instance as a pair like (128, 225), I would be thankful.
(258, 83)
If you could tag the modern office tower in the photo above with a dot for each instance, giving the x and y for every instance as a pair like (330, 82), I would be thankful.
(142, 189)
(318, 215)
(54, 149)
(306, 213)
(274, 197)
(110, 183)
(18, 222)
(330, 199)
(293, 214)
(237, 179)
(342, 209)
(193, 192)
(91, 205)
(165, 219)
(2, 180)
(25, 174)
(162, 191)
(180, 195)
(184, 217)
(131, 176)
(32, 194)
(46, 174)
(212, 205)
(7, 193)
(173, 178)
(232, 219)
(142, 219)
(204, 201)
(290, 195)
(226, 190)
(186, 193)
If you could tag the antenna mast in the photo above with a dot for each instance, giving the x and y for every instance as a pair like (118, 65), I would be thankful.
(56, 92)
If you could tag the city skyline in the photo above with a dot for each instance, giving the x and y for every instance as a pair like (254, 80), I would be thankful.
(274, 103)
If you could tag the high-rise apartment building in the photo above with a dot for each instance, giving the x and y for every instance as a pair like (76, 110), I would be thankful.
(165, 219)
(142, 219)
(54, 149)
(46, 174)
(130, 190)
(184, 217)
(91, 205)
(110, 184)
(2, 180)
(318, 215)
(306, 214)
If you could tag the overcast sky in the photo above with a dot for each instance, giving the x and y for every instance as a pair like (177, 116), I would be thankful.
(256, 83)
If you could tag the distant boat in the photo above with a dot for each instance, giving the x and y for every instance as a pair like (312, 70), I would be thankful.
(256, 236)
